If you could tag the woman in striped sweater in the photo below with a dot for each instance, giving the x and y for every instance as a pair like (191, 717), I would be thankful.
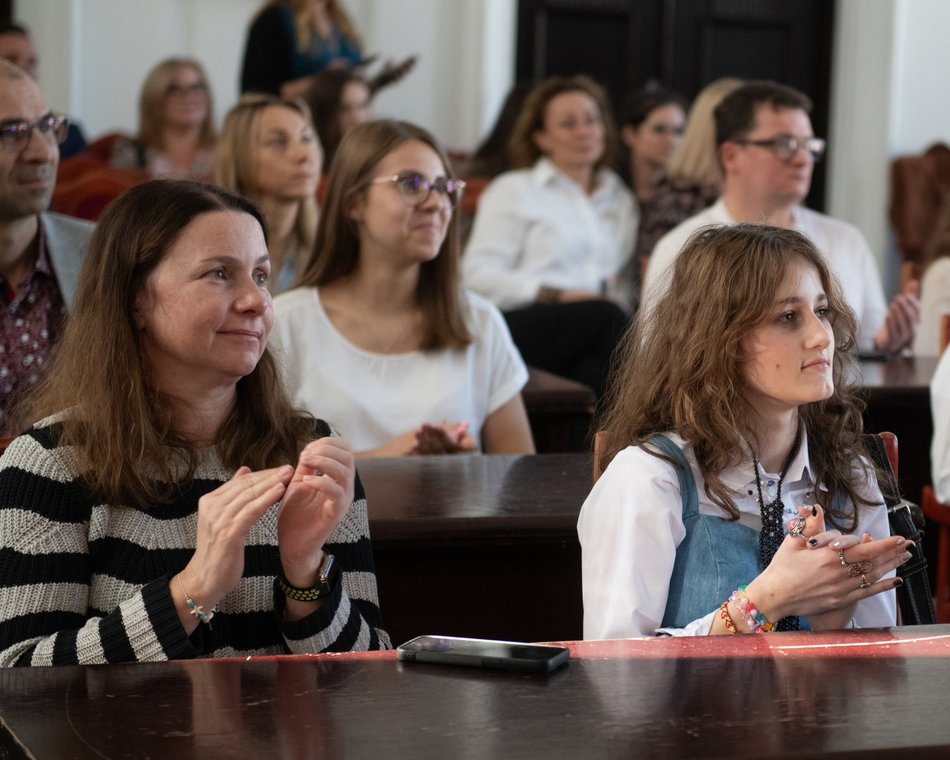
(170, 503)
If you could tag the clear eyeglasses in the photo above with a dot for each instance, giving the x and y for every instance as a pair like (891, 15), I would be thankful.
(414, 189)
(16, 135)
(785, 146)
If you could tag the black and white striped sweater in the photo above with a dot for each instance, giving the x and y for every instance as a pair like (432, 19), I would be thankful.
(85, 582)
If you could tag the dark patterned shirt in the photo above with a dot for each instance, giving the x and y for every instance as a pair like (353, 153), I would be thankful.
(670, 205)
(33, 316)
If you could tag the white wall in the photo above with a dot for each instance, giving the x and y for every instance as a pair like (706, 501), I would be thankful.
(94, 55)
(890, 66)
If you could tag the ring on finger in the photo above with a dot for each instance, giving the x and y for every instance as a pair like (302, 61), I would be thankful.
(865, 583)
(859, 568)
(844, 562)
(797, 527)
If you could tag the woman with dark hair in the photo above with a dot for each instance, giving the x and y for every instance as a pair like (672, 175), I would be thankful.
(491, 158)
(550, 237)
(747, 430)
(339, 99)
(176, 136)
(169, 482)
(651, 129)
(268, 152)
(380, 336)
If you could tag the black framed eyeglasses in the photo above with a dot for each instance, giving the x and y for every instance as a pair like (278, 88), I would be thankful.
(785, 146)
(16, 135)
(414, 189)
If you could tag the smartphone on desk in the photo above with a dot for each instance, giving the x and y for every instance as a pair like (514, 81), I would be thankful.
(484, 653)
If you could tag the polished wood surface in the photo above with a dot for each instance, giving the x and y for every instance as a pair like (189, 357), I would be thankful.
(559, 411)
(774, 696)
(482, 545)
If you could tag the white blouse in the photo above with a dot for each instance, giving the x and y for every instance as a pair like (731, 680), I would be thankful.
(537, 227)
(372, 398)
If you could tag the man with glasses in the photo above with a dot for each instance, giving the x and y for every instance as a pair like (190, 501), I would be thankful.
(40, 252)
(16, 46)
(767, 150)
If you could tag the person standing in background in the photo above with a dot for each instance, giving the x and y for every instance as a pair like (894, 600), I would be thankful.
(291, 40)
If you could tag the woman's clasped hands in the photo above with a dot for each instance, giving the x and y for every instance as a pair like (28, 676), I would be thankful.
(823, 574)
(314, 497)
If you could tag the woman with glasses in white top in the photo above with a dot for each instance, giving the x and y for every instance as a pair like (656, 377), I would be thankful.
(379, 335)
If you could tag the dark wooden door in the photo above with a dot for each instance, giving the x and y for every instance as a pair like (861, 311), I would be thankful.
(683, 44)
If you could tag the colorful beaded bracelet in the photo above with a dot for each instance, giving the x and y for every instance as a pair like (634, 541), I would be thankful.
(756, 621)
(727, 618)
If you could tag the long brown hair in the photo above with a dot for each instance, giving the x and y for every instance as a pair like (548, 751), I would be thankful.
(522, 148)
(680, 366)
(336, 251)
(125, 444)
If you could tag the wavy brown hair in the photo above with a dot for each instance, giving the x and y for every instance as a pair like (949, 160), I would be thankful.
(522, 148)
(125, 443)
(336, 252)
(680, 367)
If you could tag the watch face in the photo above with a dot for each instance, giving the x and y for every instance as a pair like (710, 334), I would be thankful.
(328, 573)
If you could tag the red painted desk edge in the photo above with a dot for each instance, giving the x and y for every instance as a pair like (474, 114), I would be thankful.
(923, 641)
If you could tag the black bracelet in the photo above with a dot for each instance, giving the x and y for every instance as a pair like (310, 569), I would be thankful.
(323, 588)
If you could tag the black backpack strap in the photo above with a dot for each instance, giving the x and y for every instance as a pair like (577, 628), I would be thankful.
(914, 596)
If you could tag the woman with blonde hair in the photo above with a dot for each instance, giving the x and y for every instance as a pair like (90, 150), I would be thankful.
(268, 152)
(290, 40)
(550, 237)
(724, 458)
(379, 335)
(170, 502)
(176, 136)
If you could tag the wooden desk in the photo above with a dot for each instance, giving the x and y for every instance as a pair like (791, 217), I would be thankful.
(781, 695)
(559, 410)
(480, 545)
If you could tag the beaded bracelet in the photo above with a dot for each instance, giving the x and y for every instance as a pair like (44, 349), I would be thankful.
(727, 618)
(756, 621)
(197, 610)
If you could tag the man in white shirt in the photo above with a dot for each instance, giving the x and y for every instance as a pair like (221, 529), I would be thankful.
(767, 150)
